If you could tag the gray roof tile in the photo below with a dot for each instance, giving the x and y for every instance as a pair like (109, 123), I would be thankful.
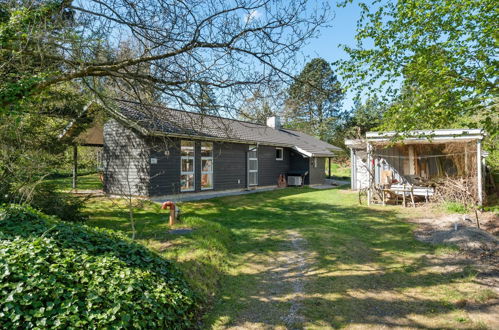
(167, 121)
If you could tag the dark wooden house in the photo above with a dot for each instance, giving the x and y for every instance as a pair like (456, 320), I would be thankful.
(155, 151)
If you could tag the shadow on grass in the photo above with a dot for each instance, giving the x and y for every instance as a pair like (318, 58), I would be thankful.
(358, 253)
(84, 182)
(363, 259)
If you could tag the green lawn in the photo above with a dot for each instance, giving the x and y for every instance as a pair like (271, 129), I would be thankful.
(301, 257)
(339, 171)
(84, 182)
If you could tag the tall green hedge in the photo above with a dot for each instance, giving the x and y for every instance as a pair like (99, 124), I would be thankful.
(58, 275)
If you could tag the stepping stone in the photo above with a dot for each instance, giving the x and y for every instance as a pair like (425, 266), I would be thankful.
(181, 231)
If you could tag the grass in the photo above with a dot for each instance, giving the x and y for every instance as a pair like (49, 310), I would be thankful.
(364, 267)
(84, 182)
(453, 207)
(339, 171)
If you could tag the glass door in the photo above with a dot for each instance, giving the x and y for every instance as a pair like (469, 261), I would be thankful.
(187, 166)
(206, 165)
(252, 166)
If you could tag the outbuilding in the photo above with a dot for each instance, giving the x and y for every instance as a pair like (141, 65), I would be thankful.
(410, 163)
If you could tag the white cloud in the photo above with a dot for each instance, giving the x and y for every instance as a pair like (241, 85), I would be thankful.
(252, 15)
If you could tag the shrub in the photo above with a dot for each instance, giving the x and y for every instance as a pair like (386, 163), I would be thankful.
(455, 207)
(45, 198)
(58, 275)
(62, 205)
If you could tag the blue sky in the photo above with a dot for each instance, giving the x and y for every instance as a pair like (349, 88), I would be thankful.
(342, 31)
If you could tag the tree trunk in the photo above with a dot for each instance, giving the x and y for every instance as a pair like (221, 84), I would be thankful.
(75, 165)
(132, 219)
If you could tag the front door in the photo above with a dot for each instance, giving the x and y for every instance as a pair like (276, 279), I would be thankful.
(252, 166)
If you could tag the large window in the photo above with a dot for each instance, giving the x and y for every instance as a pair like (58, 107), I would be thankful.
(187, 154)
(252, 166)
(206, 165)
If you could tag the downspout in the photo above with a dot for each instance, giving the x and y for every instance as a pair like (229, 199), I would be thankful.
(329, 159)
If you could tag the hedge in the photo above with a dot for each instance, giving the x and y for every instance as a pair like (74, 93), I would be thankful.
(58, 275)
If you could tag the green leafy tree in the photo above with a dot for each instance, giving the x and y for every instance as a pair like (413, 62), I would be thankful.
(30, 33)
(433, 61)
(314, 99)
(363, 117)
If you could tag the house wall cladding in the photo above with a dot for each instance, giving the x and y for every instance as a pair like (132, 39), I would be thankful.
(165, 170)
(229, 166)
(125, 155)
(269, 168)
(317, 174)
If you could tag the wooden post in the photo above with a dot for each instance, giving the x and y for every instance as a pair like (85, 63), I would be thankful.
(412, 168)
(75, 165)
(353, 169)
(329, 167)
(412, 196)
(371, 179)
(479, 171)
(403, 195)
(171, 221)
(466, 158)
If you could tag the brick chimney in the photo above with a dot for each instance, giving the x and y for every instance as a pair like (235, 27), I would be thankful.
(274, 122)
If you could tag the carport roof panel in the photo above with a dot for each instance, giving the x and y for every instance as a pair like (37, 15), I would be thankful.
(427, 136)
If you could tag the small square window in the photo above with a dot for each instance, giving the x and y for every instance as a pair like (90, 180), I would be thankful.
(207, 181)
(187, 182)
(187, 148)
(206, 149)
(207, 165)
(187, 165)
(279, 153)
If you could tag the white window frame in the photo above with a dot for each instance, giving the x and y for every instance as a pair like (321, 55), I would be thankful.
(282, 154)
(314, 159)
(193, 173)
(253, 148)
(212, 165)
